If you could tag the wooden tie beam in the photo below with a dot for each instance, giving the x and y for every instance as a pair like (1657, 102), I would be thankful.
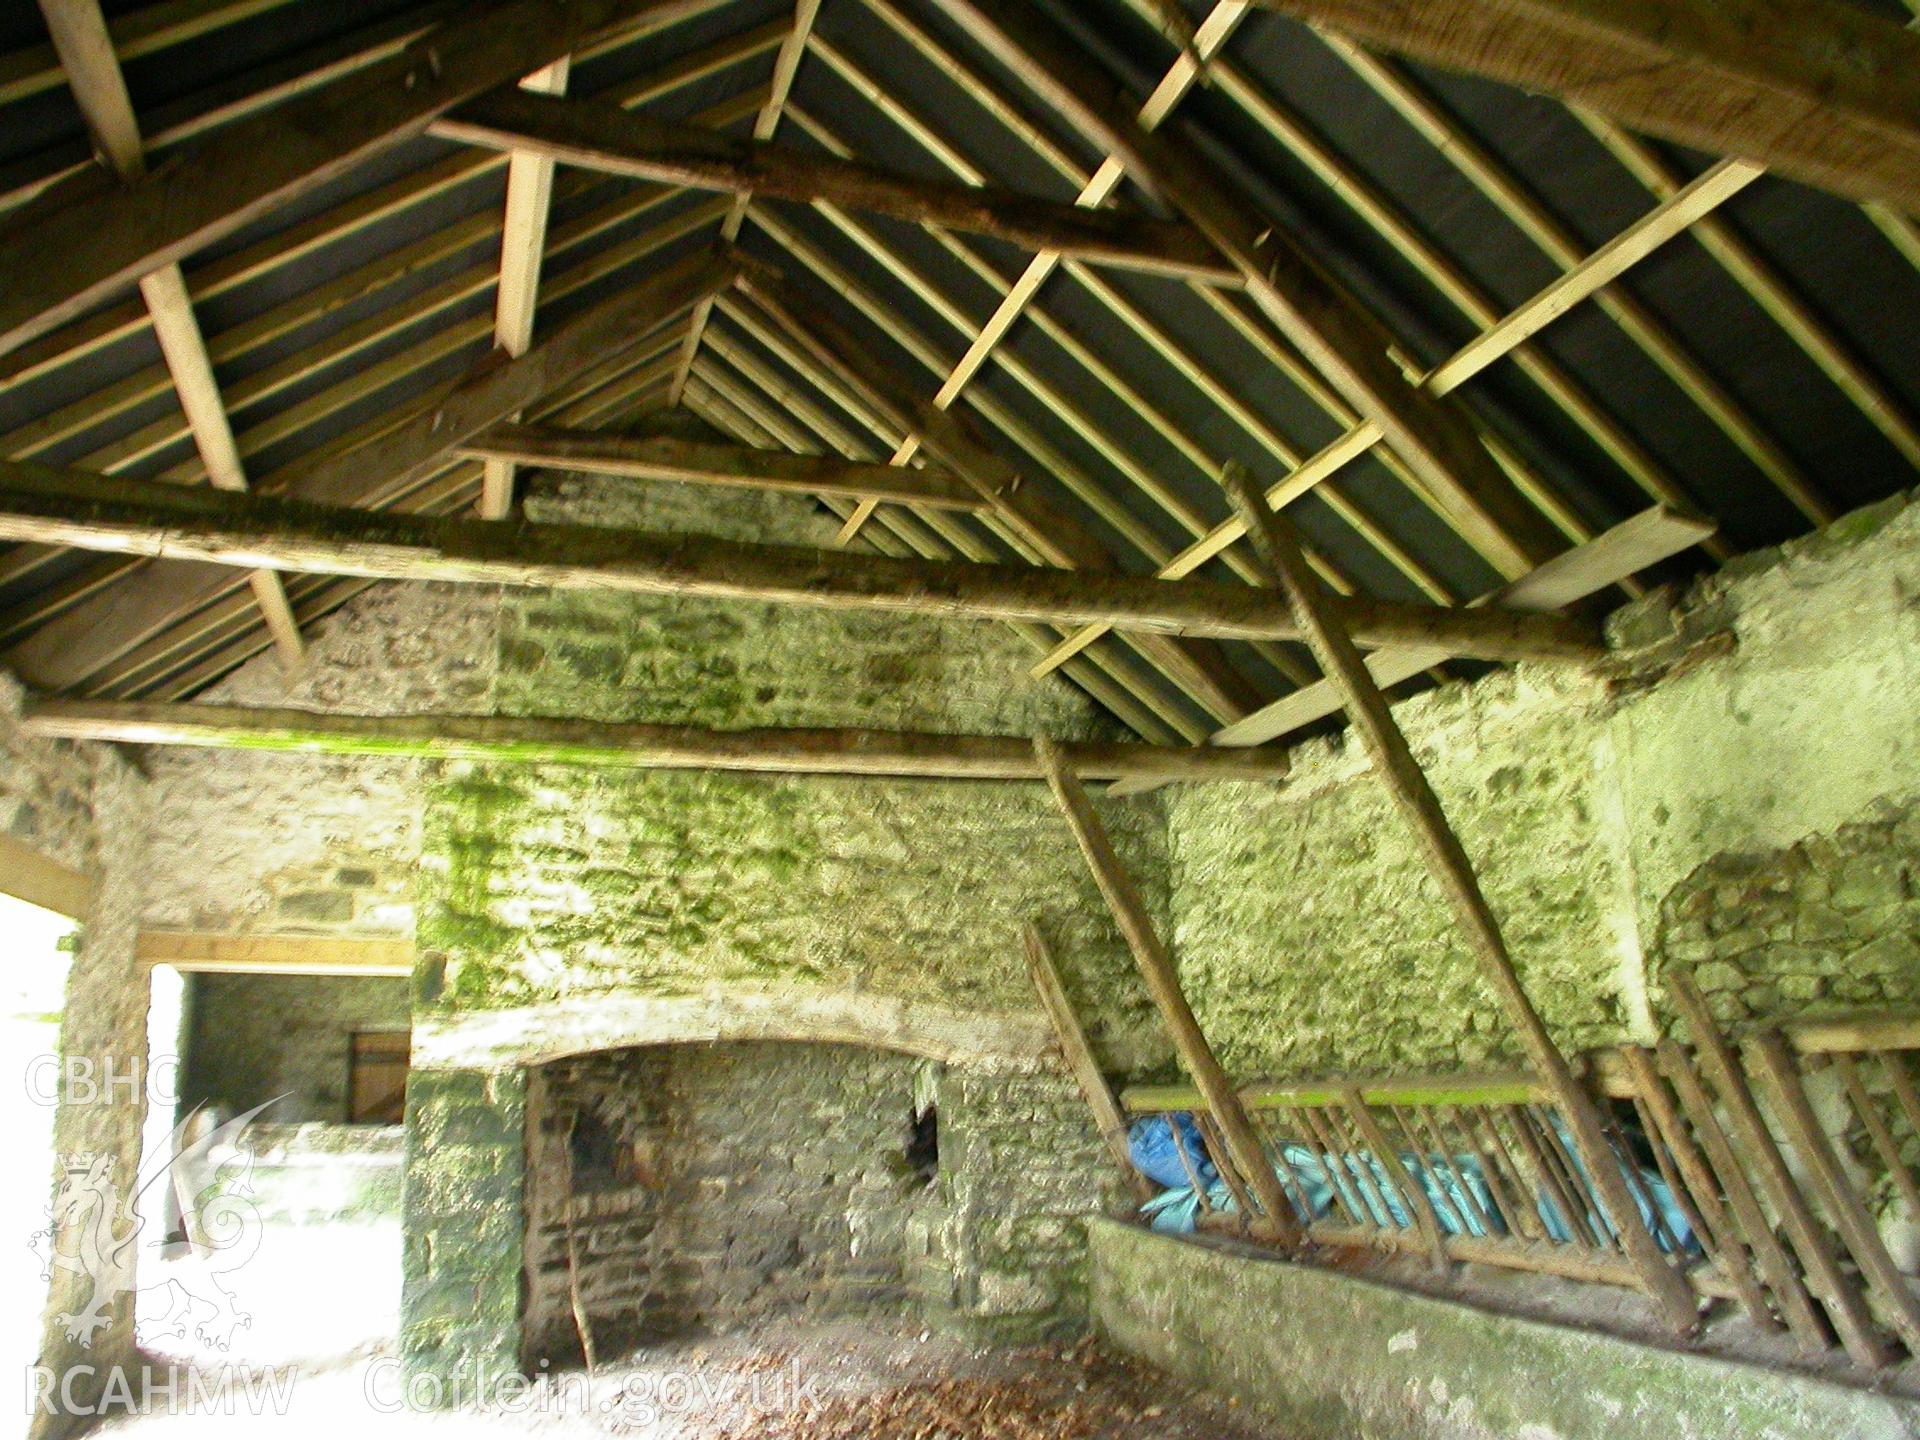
(665, 457)
(514, 740)
(1447, 859)
(639, 146)
(94, 512)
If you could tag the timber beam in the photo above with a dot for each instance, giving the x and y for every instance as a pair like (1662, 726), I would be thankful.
(68, 650)
(615, 141)
(1452, 870)
(664, 457)
(1823, 91)
(513, 740)
(131, 517)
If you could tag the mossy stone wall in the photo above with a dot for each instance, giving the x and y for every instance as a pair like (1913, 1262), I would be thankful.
(546, 883)
(1735, 792)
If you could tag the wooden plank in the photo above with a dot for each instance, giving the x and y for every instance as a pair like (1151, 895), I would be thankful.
(211, 954)
(1343, 342)
(1156, 969)
(1653, 535)
(1452, 870)
(1848, 1033)
(80, 37)
(28, 875)
(1768, 1054)
(1824, 92)
(786, 66)
(523, 243)
(93, 512)
(647, 457)
(533, 741)
(1107, 1116)
(71, 260)
(641, 146)
(1514, 1087)
(1754, 1142)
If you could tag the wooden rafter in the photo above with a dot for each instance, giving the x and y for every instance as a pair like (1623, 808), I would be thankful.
(93, 73)
(300, 243)
(1820, 90)
(82, 253)
(1341, 340)
(513, 740)
(786, 67)
(523, 243)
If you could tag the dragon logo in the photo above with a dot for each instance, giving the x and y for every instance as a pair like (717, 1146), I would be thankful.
(92, 1230)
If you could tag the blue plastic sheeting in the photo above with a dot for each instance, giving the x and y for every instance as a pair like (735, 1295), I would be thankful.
(1455, 1185)
(1155, 1155)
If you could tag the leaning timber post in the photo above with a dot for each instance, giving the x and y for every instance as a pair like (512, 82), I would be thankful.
(1156, 968)
(1108, 1118)
(1273, 541)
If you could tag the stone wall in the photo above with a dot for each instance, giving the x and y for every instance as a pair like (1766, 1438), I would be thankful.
(255, 1038)
(545, 884)
(707, 1187)
(1736, 792)
(564, 909)
(1312, 938)
(462, 1215)
(83, 806)
(1022, 1171)
(314, 844)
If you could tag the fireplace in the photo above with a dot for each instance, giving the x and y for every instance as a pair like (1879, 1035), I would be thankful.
(677, 1188)
(653, 1186)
